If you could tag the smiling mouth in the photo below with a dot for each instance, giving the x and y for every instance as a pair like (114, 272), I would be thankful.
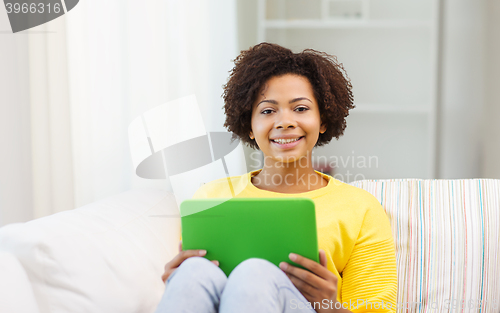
(286, 141)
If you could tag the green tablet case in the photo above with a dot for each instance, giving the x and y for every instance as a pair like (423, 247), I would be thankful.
(236, 229)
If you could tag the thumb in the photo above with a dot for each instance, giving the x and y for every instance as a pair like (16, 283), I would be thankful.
(322, 257)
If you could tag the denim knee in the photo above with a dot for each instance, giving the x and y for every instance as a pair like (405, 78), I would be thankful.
(257, 270)
(254, 286)
(199, 268)
(195, 286)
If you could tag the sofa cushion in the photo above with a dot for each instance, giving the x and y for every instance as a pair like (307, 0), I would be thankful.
(105, 257)
(16, 293)
(447, 242)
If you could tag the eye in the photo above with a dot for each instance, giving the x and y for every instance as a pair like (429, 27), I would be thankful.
(263, 112)
(304, 109)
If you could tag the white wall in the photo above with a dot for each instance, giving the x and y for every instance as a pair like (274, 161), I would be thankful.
(468, 128)
(462, 101)
(247, 24)
(490, 166)
(247, 37)
(15, 144)
(470, 142)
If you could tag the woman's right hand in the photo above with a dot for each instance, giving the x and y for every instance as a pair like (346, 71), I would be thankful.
(171, 266)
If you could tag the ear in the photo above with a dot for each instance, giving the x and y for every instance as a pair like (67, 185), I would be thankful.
(322, 129)
(251, 135)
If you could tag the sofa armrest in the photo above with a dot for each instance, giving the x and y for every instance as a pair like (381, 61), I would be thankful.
(107, 256)
(15, 288)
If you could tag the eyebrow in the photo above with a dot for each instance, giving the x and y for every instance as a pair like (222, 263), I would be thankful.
(291, 101)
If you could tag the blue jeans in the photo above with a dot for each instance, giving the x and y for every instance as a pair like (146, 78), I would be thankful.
(255, 285)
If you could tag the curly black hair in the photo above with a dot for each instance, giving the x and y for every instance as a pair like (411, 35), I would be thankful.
(255, 66)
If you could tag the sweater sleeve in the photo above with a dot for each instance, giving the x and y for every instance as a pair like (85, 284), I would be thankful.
(369, 279)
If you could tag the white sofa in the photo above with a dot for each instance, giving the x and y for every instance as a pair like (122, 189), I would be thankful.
(109, 256)
(106, 257)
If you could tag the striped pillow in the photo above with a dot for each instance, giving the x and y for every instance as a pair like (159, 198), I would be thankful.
(447, 238)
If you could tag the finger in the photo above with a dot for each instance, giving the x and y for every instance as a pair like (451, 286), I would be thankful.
(301, 273)
(215, 262)
(314, 267)
(166, 275)
(303, 287)
(287, 275)
(183, 255)
(180, 246)
(306, 276)
(322, 257)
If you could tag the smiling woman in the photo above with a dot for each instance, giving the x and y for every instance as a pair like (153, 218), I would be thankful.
(286, 97)
(331, 89)
(286, 125)
(285, 104)
(275, 118)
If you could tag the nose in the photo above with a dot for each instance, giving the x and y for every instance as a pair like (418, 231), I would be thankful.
(285, 120)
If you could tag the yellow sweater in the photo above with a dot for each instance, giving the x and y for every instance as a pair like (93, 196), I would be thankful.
(353, 230)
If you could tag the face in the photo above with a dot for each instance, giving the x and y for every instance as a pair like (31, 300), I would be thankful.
(286, 110)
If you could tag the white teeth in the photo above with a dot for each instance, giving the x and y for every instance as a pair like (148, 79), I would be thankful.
(283, 141)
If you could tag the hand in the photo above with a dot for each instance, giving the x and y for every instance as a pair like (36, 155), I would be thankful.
(315, 286)
(171, 266)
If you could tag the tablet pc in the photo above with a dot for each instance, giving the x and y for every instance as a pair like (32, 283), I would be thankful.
(236, 229)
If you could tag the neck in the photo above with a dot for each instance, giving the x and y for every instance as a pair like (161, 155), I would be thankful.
(293, 176)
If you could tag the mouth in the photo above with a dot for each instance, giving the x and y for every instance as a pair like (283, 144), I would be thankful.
(288, 143)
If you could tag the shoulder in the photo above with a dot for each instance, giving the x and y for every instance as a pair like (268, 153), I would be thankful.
(371, 215)
(356, 196)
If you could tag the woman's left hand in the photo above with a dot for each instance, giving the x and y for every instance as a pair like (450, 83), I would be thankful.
(318, 285)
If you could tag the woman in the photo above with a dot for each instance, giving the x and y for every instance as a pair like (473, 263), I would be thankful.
(285, 104)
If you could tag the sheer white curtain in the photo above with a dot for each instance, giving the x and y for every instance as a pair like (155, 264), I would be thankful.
(126, 57)
(51, 157)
